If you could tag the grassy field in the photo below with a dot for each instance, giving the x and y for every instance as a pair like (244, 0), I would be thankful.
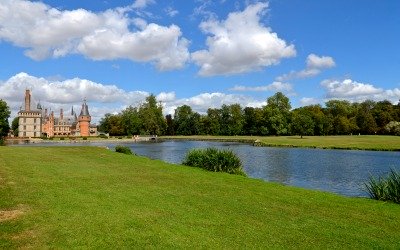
(88, 197)
(363, 142)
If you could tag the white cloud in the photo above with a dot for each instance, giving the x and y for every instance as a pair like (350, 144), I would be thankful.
(200, 103)
(140, 4)
(315, 65)
(305, 101)
(275, 86)
(49, 32)
(171, 11)
(239, 44)
(102, 98)
(351, 90)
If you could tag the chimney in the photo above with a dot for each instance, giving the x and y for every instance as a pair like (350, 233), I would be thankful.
(27, 100)
(61, 114)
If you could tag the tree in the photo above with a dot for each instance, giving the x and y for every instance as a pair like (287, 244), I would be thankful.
(170, 125)
(15, 125)
(277, 114)
(186, 121)
(302, 122)
(365, 119)
(343, 117)
(131, 122)
(152, 117)
(232, 119)
(212, 122)
(4, 115)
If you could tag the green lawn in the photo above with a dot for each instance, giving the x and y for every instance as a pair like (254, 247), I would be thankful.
(363, 142)
(81, 197)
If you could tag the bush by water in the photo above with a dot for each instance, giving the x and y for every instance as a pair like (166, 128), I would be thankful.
(215, 160)
(385, 189)
(123, 150)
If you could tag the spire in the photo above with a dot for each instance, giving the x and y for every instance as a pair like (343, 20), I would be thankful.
(39, 106)
(72, 111)
(85, 109)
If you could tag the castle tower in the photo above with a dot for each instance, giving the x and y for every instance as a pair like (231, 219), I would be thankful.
(27, 100)
(84, 120)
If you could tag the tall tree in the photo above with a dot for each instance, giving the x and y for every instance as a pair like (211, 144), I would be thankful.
(213, 122)
(152, 117)
(187, 122)
(131, 121)
(232, 119)
(170, 125)
(4, 115)
(15, 125)
(277, 114)
(302, 122)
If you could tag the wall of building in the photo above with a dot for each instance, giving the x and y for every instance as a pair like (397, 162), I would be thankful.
(30, 124)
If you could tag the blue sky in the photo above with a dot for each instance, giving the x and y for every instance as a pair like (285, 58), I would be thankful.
(201, 53)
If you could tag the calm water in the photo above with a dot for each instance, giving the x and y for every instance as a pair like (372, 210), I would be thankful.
(338, 171)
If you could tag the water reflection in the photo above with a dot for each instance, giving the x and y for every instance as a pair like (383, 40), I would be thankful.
(340, 171)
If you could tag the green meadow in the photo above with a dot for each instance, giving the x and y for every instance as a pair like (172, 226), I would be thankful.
(89, 197)
(358, 142)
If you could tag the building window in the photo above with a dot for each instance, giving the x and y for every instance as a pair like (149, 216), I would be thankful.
(34, 127)
(24, 127)
(24, 134)
(24, 120)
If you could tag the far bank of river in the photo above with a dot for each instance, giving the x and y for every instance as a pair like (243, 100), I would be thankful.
(339, 171)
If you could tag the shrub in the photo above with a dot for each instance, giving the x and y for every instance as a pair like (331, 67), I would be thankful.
(62, 138)
(215, 160)
(119, 138)
(84, 138)
(2, 142)
(385, 189)
(123, 150)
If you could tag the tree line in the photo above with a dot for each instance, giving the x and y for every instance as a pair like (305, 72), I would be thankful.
(338, 117)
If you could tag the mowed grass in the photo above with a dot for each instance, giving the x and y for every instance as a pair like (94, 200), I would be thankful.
(88, 197)
(360, 142)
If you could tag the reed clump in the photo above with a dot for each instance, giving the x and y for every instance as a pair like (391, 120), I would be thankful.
(214, 160)
(123, 150)
(385, 189)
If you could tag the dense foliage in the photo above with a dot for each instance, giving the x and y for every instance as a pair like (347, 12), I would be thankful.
(4, 115)
(385, 189)
(214, 160)
(277, 117)
(123, 150)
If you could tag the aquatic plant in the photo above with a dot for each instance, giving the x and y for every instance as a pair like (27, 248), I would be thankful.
(215, 160)
(123, 150)
(385, 189)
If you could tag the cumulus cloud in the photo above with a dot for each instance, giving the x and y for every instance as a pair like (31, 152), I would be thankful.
(275, 86)
(305, 101)
(103, 98)
(315, 65)
(356, 91)
(48, 32)
(239, 44)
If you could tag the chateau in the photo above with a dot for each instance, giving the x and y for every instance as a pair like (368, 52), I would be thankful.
(40, 123)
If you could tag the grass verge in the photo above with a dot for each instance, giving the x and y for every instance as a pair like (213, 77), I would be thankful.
(81, 197)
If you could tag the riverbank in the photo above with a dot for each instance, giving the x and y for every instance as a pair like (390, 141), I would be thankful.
(355, 142)
(79, 197)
